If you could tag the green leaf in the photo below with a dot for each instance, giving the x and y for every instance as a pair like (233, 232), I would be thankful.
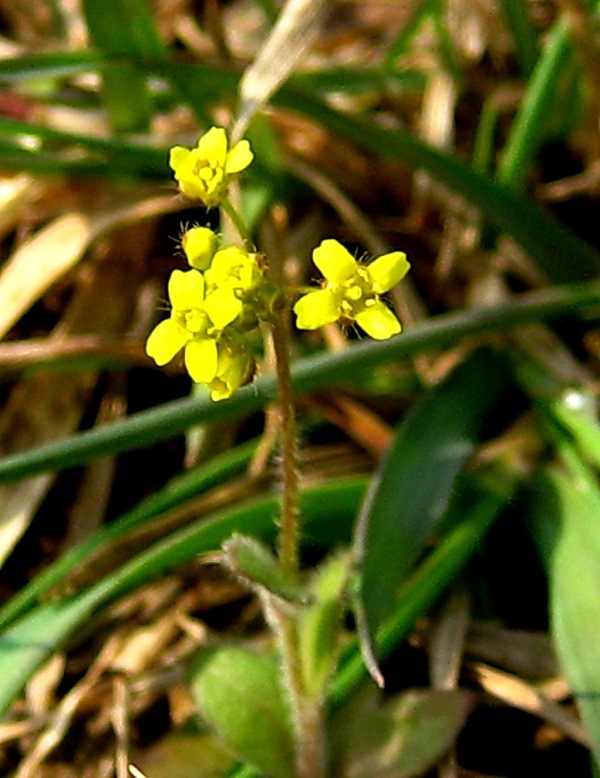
(254, 564)
(426, 584)
(319, 621)
(404, 737)
(414, 483)
(125, 27)
(565, 517)
(240, 693)
(177, 492)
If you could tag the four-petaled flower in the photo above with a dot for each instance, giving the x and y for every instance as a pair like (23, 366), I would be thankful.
(352, 291)
(189, 328)
(203, 172)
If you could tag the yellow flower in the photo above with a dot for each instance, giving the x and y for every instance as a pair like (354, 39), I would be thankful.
(234, 274)
(199, 245)
(351, 293)
(188, 328)
(203, 173)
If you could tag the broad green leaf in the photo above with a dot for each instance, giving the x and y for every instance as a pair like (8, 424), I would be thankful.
(426, 584)
(565, 518)
(240, 693)
(404, 737)
(310, 374)
(414, 483)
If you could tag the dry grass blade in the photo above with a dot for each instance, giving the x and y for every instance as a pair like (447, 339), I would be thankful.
(296, 28)
(527, 697)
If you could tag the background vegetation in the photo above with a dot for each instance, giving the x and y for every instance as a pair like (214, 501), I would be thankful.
(467, 135)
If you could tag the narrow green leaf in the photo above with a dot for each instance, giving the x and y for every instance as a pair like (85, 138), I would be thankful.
(256, 565)
(520, 23)
(125, 27)
(310, 374)
(527, 130)
(319, 621)
(177, 492)
(29, 643)
(240, 693)
(565, 518)
(412, 488)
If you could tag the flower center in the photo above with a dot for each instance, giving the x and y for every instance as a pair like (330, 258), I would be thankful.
(357, 293)
(195, 320)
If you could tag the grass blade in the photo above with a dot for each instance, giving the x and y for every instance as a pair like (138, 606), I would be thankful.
(172, 419)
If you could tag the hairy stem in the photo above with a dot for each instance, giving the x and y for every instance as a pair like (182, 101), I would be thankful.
(289, 531)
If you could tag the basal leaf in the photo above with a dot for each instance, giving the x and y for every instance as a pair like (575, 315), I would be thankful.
(240, 693)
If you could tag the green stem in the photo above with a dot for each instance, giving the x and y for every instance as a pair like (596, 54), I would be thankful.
(308, 712)
(238, 222)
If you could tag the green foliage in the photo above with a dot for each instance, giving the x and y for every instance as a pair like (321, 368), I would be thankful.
(241, 693)
(412, 489)
(403, 737)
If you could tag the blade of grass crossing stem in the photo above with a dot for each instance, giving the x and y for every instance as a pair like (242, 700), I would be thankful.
(31, 640)
(565, 520)
(126, 28)
(310, 374)
(177, 492)
(413, 486)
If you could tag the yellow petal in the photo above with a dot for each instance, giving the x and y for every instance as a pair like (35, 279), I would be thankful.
(212, 146)
(165, 340)
(334, 261)
(378, 321)
(239, 157)
(223, 307)
(178, 156)
(186, 289)
(316, 309)
(388, 270)
(200, 358)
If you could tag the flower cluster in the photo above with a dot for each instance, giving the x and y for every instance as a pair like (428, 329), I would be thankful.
(215, 310)
(218, 304)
